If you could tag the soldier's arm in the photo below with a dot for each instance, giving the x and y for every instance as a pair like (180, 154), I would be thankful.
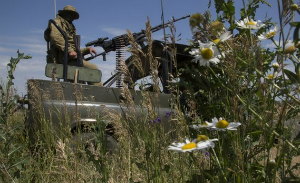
(88, 50)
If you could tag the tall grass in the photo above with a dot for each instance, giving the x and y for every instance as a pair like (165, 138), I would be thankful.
(250, 84)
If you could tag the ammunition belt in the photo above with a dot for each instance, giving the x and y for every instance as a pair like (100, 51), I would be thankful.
(120, 57)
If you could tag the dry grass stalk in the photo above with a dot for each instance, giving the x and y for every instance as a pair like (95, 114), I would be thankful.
(152, 60)
(125, 71)
(65, 166)
(137, 54)
(127, 96)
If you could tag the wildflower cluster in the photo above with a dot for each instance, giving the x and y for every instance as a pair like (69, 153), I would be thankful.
(202, 142)
(247, 69)
(157, 120)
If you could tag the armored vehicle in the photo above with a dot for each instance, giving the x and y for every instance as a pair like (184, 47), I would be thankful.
(69, 99)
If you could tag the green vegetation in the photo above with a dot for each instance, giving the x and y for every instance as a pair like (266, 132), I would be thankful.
(233, 76)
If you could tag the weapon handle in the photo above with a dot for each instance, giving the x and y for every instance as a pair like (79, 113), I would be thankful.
(77, 46)
(92, 57)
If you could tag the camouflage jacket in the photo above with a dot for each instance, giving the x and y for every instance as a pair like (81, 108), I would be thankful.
(57, 42)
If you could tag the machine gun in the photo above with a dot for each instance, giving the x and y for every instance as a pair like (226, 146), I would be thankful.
(112, 45)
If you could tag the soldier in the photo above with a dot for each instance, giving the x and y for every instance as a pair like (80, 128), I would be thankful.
(64, 20)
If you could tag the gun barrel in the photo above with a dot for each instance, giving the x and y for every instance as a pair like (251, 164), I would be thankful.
(97, 41)
(111, 45)
(161, 26)
(174, 20)
(91, 43)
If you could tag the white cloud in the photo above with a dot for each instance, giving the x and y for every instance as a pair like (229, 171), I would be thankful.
(33, 64)
(37, 31)
(113, 31)
(27, 45)
(28, 39)
(32, 48)
(4, 59)
(3, 49)
(271, 45)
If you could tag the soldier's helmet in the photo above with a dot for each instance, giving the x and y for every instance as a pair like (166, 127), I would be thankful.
(69, 9)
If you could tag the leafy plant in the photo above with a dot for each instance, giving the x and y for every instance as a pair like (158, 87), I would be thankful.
(11, 128)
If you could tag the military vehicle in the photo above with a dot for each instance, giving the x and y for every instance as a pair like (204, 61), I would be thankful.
(69, 97)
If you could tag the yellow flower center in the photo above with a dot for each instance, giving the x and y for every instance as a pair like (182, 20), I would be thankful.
(270, 76)
(222, 124)
(216, 41)
(271, 34)
(191, 145)
(250, 23)
(206, 53)
(202, 138)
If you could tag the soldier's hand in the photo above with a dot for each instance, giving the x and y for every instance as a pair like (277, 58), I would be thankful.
(92, 50)
(73, 55)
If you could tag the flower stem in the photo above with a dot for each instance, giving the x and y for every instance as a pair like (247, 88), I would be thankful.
(218, 162)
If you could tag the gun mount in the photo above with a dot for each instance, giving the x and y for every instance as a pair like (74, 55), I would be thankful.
(121, 41)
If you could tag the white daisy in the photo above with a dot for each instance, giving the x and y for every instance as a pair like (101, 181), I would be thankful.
(203, 138)
(222, 125)
(272, 76)
(206, 53)
(218, 124)
(246, 24)
(269, 34)
(225, 36)
(202, 125)
(197, 144)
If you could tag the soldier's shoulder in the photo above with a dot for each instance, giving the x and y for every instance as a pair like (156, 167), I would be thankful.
(57, 19)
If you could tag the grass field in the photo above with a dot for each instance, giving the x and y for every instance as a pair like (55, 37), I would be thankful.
(235, 114)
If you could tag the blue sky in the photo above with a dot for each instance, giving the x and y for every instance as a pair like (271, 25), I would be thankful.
(22, 24)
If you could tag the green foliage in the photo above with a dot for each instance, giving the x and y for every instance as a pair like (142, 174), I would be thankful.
(249, 10)
(227, 8)
(294, 78)
(296, 31)
(11, 163)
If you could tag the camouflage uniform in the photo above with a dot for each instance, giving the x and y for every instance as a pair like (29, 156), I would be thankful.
(57, 42)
